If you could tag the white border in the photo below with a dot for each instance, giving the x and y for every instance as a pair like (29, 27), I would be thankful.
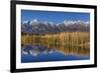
(20, 65)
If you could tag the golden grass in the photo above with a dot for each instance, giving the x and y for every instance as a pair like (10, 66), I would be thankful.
(67, 42)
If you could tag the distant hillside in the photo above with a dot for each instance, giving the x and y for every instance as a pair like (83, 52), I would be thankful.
(38, 27)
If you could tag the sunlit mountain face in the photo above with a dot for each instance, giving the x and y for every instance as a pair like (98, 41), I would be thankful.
(39, 27)
(43, 41)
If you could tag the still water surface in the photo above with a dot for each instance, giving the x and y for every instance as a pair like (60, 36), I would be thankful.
(38, 53)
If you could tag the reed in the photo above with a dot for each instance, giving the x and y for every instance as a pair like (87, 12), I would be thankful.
(65, 41)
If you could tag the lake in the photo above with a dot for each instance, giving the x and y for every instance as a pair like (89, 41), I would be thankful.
(63, 46)
(36, 53)
(51, 57)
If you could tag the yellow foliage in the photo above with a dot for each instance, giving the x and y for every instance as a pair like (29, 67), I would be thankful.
(67, 42)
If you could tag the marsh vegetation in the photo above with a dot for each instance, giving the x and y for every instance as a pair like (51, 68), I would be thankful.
(66, 42)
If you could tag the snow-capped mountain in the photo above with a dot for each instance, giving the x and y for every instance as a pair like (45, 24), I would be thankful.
(75, 22)
(43, 27)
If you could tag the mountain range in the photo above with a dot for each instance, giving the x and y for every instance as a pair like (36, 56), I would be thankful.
(43, 27)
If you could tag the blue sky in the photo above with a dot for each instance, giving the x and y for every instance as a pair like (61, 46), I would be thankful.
(53, 16)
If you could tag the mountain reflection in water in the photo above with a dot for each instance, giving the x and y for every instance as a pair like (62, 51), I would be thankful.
(38, 53)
